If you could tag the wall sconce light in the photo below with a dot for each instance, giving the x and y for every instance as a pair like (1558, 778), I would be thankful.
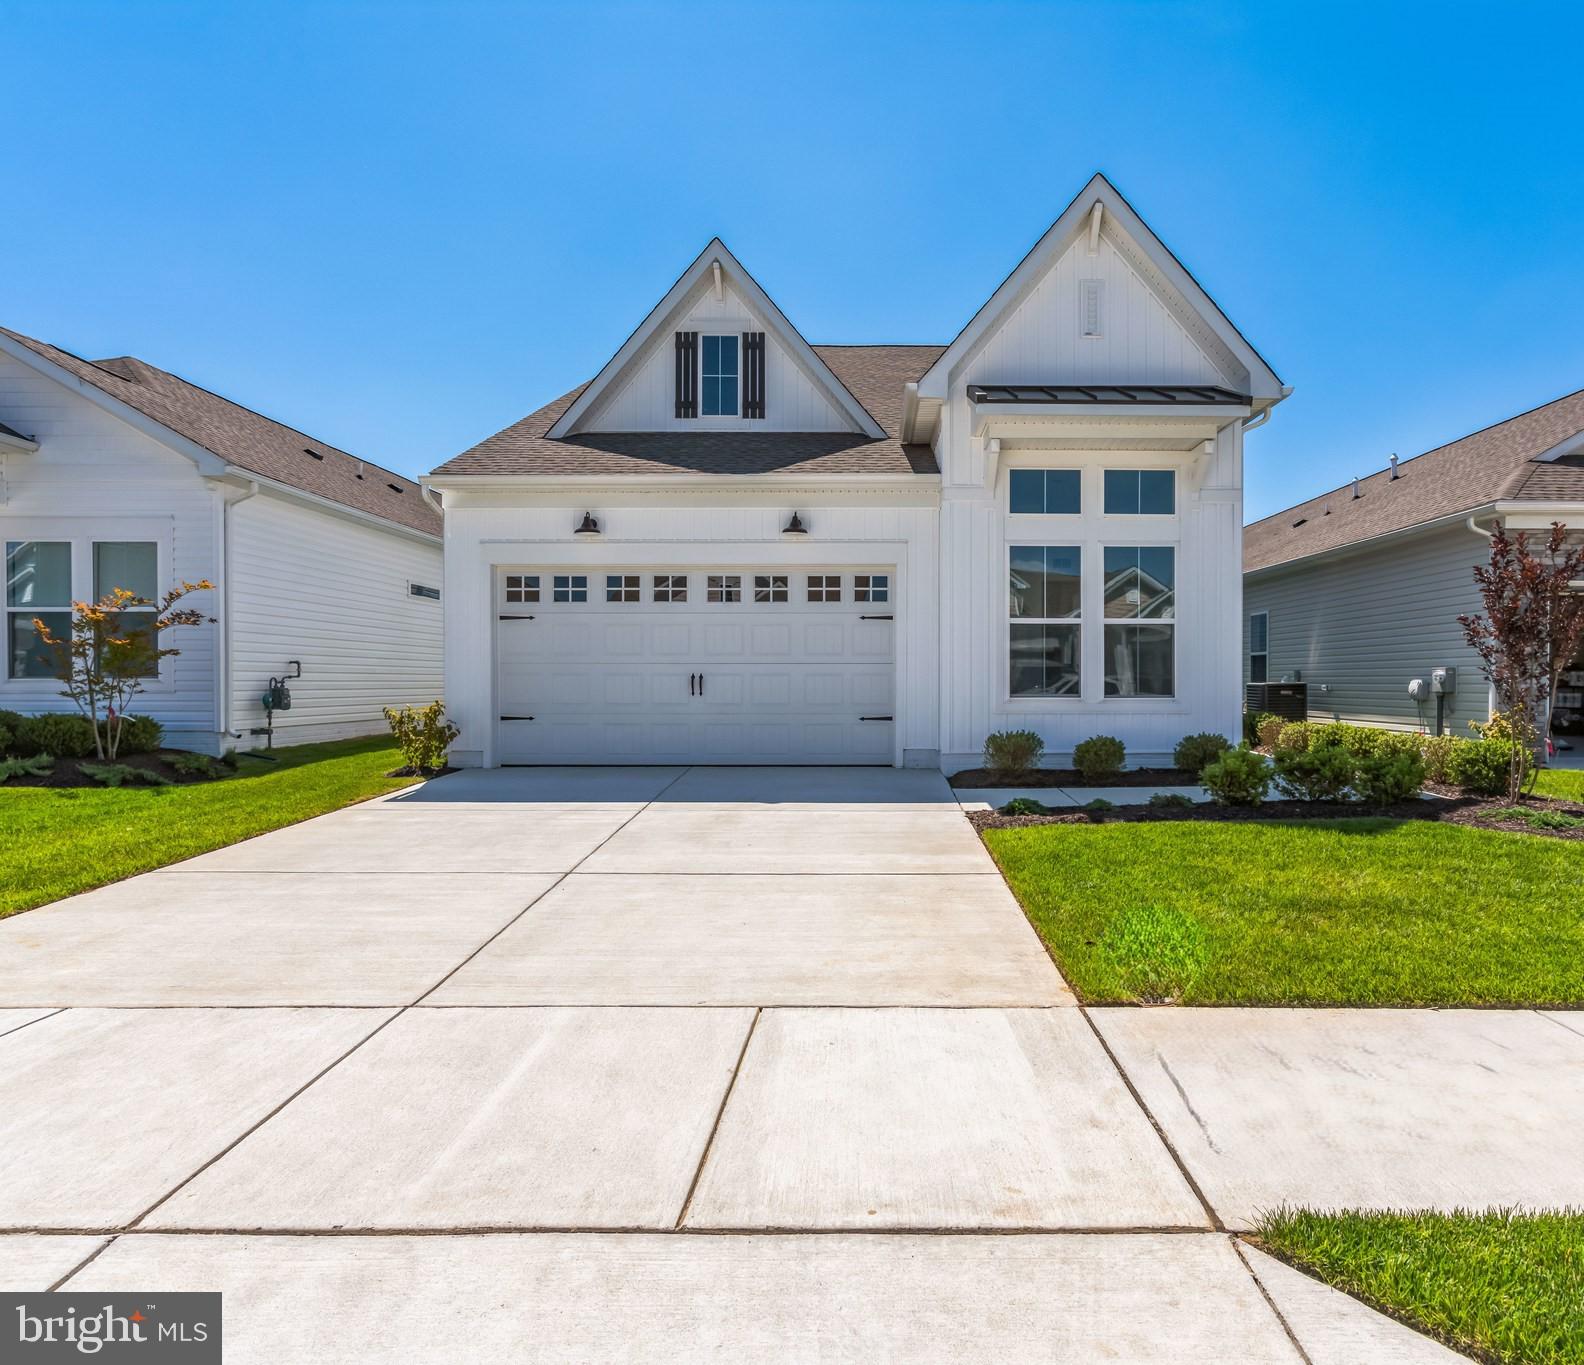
(795, 527)
(588, 526)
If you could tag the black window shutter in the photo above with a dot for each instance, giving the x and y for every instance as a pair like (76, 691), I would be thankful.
(753, 344)
(687, 374)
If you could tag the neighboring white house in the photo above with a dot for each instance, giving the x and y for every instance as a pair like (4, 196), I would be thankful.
(1356, 593)
(116, 474)
(733, 547)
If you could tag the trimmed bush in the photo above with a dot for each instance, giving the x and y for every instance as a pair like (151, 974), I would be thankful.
(1194, 751)
(5, 738)
(1395, 743)
(1013, 751)
(1386, 778)
(1253, 723)
(1024, 805)
(1170, 801)
(1481, 765)
(140, 735)
(1270, 728)
(1099, 758)
(1437, 751)
(1240, 777)
(195, 765)
(423, 734)
(1322, 774)
(66, 735)
(1294, 737)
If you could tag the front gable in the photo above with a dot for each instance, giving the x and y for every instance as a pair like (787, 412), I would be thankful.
(636, 391)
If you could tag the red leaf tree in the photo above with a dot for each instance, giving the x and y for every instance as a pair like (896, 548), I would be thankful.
(1529, 632)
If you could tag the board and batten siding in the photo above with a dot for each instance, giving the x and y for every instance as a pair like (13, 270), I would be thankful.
(95, 477)
(334, 594)
(1360, 626)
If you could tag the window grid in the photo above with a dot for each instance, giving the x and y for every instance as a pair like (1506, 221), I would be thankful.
(569, 587)
(723, 587)
(718, 372)
(522, 587)
(824, 587)
(871, 587)
(622, 587)
(670, 587)
(770, 587)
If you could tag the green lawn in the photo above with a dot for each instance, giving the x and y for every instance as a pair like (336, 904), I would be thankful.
(63, 840)
(1334, 912)
(1566, 784)
(1500, 1286)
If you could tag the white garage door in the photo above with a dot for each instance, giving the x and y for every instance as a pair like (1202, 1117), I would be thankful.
(728, 665)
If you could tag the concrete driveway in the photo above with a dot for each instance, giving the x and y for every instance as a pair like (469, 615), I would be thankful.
(580, 1023)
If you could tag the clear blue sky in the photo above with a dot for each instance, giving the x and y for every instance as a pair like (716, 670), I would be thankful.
(403, 226)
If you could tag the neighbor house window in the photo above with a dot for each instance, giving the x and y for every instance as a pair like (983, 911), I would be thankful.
(621, 587)
(522, 587)
(723, 587)
(871, 587)
(1140, 610)
(718, 375)
(824, 587)
(770, 587)
(38, 584)
(1045, 601)
(1259, 646)
(1140, 492)
(569, 587)
(670, 587)
(1049, 492)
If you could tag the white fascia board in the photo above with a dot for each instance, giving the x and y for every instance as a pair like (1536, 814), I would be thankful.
(696, 276)
(1529, 516)
(235, 476)
(1354, 547)
(1074, 220)
(209, 463)
(499, 488)
(18, 442)
(1031, 418)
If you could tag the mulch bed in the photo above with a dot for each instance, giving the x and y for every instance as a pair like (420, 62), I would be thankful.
(68, 772)
(1071, 777)
(1457, 809)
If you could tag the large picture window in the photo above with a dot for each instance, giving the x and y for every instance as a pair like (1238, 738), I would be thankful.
(1045, 603)
(718, 373)
(1140, 612)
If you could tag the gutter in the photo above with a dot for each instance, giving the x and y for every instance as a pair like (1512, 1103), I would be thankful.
(226, 505)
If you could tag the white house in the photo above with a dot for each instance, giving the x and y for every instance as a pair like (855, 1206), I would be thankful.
(116, 474)
(734, 547)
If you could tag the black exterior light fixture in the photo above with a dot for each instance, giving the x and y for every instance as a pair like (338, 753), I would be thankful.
(795, 527)
(588, 526)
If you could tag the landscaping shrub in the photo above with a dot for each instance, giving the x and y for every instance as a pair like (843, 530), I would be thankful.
(37, 766)
(1013, 751)
(11, 723)
(195, 765)
(1024, 805)
(1253, 723)
(1294, 737)
(1170, 801)
(64, 736)
(1393, 743)
(1481, 765)
(1437, 751)
(1158, 951)
(1099, 805)
(1324, 773)
(140, 735)
(1386, 778)
(1194, 751)
(1538, 819)
(1099, 758)
(423, 734)
(1240, 777)
(1270, 728)
(5, 738)
(119, 774)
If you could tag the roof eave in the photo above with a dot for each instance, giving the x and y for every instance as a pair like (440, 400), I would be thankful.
(1368, 543)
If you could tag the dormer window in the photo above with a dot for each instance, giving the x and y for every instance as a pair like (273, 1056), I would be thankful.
(719, 373)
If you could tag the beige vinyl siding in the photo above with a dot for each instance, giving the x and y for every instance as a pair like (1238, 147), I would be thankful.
(1361, 625)
(333, 593)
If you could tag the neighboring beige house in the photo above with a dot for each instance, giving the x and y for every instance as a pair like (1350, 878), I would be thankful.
(116, 474)
(1357, 592)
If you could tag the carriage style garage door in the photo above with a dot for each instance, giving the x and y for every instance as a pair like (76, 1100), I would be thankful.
(728, 665)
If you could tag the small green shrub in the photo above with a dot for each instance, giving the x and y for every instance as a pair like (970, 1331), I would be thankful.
(5, 738)
(195, 765)
(1358, 740)
(1024, 805)
(1158, 951)
(1240, 777)
(1437, 751)
(140, 735)
(38, 766)
(1295, 736)
(1538, 819)
(1270, 728)
(1481, 765)
(1194, 751)
(1170, 801)
(65, 735)
(1100, 805)
(12, 721)
(1099, 758)
(1253, 723)
(1013, 751)
(1393, 743)
(119, 774)
(1322, 774)
(423, 734)
(1385, 778)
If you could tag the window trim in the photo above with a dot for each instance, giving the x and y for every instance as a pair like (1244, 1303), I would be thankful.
(705, 375)
(1262, 654)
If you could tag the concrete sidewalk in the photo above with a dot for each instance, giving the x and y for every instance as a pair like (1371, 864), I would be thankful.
(678, 1063)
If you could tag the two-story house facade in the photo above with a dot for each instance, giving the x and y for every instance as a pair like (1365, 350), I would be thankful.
(733, 547)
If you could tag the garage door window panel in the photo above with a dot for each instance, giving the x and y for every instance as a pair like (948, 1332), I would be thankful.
(622, 587)
(522, 588)
(770, 587)
(723, 588)
(670, 587)
(569, 587)
(824, 587)
(871, 587)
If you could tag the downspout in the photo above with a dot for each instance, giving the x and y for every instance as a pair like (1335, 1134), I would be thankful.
(226, 717)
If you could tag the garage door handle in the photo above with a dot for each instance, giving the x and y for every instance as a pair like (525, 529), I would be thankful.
(877, 618)
(516, 618)
(692, 683)
(516, 717)
(701, 684)
(876, 717)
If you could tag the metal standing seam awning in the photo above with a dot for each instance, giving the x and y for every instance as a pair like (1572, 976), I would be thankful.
(1166, 395)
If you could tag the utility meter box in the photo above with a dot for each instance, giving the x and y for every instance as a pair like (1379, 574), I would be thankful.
(1443, 681)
